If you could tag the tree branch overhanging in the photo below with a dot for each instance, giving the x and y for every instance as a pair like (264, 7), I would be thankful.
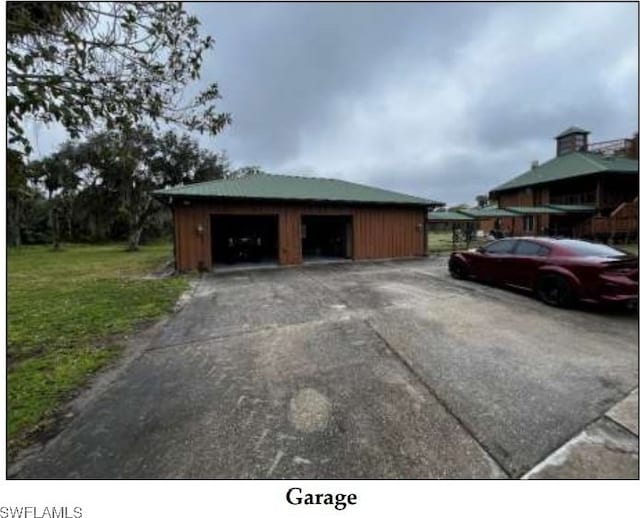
(135, 57)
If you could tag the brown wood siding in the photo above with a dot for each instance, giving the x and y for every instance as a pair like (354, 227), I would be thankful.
(606, 191)
(519, 198)
(192, 247)
(623, 220)
(378, 233)
(391, 232)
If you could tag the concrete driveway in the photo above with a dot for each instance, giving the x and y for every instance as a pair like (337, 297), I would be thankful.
(373, 370)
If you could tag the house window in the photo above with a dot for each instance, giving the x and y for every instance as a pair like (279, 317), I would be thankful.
(528, 224)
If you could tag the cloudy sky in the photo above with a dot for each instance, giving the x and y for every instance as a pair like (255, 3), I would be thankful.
(438, 100)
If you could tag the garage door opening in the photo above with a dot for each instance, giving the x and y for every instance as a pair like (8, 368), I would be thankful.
(327, 237)
(244, 239)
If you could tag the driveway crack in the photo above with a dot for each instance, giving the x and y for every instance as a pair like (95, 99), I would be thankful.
(395, 353)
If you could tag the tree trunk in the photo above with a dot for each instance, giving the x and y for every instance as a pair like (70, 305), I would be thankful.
(138, 216)
(69, 220)
(135, 229)
(55, 229)
(134, 240)
(16, 222)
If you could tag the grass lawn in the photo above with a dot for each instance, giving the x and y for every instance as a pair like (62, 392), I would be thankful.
(440, 242)
(67, 314)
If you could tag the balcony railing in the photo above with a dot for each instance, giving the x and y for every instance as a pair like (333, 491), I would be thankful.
(623, 220)
(623, 146)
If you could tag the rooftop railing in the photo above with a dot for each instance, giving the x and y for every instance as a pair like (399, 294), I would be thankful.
(623, 146)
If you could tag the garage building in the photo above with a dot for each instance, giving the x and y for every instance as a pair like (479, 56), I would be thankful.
(288, 220)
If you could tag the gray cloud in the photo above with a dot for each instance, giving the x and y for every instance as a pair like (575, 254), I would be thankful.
(441, 100)
(289, 64)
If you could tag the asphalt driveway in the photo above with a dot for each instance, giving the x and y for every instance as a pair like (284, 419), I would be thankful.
(373, 370)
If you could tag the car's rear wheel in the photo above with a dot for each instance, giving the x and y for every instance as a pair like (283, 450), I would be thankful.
(458, 270)
(555, 290)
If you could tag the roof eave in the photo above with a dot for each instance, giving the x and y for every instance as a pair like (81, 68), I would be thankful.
(546, 182)
(190, 196)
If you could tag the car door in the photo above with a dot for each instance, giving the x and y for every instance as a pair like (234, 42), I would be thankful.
(528, 257)
(493, 260)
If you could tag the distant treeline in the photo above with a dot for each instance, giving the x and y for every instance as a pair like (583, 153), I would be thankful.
(107, 72)
(99, 189)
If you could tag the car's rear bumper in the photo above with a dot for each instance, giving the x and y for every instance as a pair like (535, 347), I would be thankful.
(619, 293)
(613, 290)
(630, 301)
(619, 301)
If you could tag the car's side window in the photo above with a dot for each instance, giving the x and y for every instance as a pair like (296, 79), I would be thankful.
(529, 248)
(544, 251)
(504, 246)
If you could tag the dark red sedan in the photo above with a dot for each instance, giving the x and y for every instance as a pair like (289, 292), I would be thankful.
(559, 271)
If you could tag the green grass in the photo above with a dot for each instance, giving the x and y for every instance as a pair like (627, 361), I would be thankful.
(68, 312)
(440, 242)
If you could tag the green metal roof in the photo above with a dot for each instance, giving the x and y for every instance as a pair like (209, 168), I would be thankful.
(542, 209)
(449, 215)
(569, 166)
(571, 130)
(493, 211)
(488, 212)
(300, 188)
(573, 208)
(496, 212)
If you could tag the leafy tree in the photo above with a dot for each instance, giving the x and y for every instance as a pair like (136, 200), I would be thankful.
(39, 18)
(35, 223)
(97, 216)
(183, 161)
(18, 192)
(123, 162)
(212, 166)
(57, 175)
(247, 171)
(100, 189)
(113, 64)
(128, 165)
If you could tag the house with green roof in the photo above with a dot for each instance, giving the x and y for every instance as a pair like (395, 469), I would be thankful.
(287, 220)
(586, 190)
